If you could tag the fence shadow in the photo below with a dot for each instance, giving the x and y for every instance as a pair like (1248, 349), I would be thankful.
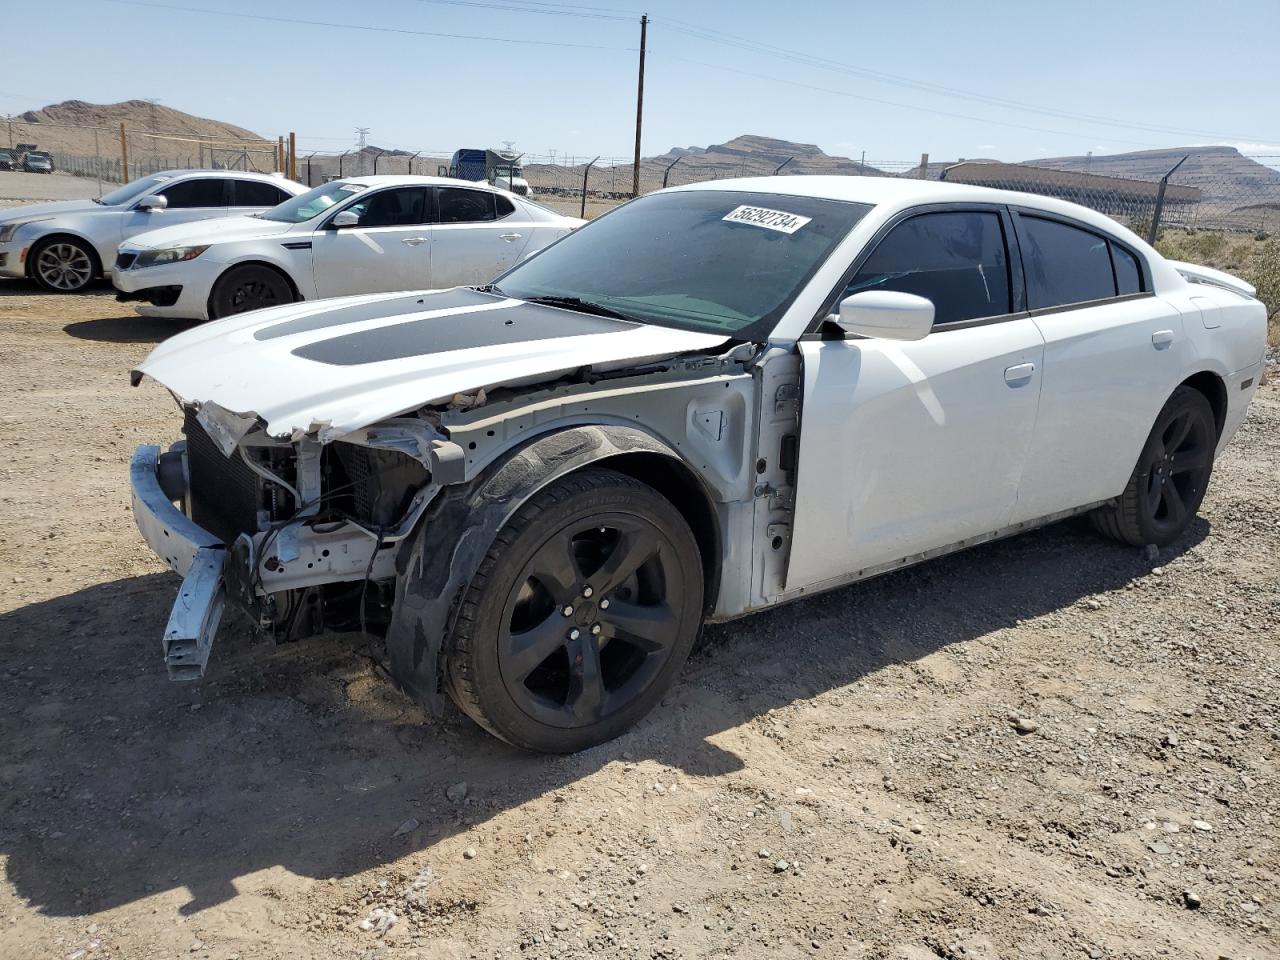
(118, 784)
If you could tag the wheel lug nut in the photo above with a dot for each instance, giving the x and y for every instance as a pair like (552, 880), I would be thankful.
(604, 604)
(574, 634)
(587, 591)
(567, 610)
(595, 630)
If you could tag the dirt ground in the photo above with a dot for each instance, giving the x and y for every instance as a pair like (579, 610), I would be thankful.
(843, 777)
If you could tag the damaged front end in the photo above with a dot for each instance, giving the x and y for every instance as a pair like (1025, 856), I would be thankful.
(297, 532)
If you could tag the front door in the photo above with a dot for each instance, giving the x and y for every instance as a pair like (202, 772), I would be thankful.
(388, 249)
(188, 200)
(910, 446)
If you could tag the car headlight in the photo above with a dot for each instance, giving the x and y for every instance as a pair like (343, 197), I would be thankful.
(7, 230)
(155, 258)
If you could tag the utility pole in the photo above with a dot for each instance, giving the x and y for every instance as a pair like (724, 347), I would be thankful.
(635, 169)
(293, 155)
(124, 156)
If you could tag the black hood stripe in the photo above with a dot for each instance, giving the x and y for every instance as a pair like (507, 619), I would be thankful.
(522, 323)
(378, 310)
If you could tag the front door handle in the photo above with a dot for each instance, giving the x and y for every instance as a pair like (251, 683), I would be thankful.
(1019, 374)
(414, 241)
(510, 236)
(1161, 339)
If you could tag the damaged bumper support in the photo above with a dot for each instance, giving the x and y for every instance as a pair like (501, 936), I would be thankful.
(189, 550)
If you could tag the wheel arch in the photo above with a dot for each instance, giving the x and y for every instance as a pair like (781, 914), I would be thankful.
(467, 517)
(254, 261)
(1214, 389)
(64, 234)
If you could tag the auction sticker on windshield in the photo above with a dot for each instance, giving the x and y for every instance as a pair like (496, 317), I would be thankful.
(778, 220)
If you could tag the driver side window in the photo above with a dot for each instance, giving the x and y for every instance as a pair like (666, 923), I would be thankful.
(957, 260)
(187, 194)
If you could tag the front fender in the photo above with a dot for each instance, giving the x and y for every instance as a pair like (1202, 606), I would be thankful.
(437, 564)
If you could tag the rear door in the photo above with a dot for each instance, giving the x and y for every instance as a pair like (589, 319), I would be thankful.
(254, 196)
(388, 249)
(477, 235)
(1113, 354)
(910, 446)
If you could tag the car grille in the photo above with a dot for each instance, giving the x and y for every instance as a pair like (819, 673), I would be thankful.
(125, 260)
(225, 494)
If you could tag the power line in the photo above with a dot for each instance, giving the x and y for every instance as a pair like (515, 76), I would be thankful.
(367, 27)
(524, 7)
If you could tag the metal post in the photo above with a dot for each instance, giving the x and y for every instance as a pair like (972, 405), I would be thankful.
(124, 156)
(309, 156)
(924, 166)
(341, 158)
(635, 169)
(375, 161)
(1155, 217)
(293, 155)
(97, 160)
(778, 168)
(409, 166)
(667, 172)
(280, 154)
(586, 173)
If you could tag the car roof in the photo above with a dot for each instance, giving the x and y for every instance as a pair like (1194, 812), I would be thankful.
(388, 179)
(897, 193)
(238, 174)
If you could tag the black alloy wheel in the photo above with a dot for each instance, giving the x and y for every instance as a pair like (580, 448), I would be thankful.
(246, 288)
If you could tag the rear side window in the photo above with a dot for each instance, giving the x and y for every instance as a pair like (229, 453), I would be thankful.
(1128, 274)
(196, 193)
(255, 193)
(956, 260)
(504, 206)
(460, 205)
(1063, 264)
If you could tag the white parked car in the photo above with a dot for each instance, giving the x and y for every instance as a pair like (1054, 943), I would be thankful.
(358, 235)
(707, 402)
(65, 245)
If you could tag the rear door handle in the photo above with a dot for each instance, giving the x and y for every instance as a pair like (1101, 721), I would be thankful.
(1019, 374)
(1161, 339)
(510, 236)
(414, 241)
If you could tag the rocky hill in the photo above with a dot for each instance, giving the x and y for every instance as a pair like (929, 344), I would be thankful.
(52, 127)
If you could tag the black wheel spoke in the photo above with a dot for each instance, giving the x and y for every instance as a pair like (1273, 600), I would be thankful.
(1189, 461)
(649, 628)
(586, 697)
(1174, 506)
(635, 546)
(556, 568)
(530, 648)
(1177, 432)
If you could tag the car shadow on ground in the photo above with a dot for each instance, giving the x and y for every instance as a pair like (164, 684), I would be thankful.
(134, 329)
(117, 784)
(29, 288)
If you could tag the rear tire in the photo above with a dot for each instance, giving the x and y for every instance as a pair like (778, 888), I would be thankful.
(581, 615)
(249, 287)
(1169, 481)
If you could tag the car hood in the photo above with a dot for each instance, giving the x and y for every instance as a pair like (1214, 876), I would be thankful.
(209, 232)
(340, 365)
(58, 207)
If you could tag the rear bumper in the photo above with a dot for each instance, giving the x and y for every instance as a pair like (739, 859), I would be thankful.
(1241, 387)
(189, 550)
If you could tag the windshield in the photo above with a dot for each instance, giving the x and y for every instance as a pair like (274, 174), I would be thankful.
(135, 188)
(715, 261)
(312, 203)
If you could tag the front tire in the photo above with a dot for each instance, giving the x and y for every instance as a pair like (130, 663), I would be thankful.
(1171, 476)
(63, 265)
(249, 287)
(581, 615)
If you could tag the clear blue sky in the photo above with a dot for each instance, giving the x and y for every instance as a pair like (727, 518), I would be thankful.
(1171, 72)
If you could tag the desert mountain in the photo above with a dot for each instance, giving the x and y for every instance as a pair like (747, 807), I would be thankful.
(50, 126)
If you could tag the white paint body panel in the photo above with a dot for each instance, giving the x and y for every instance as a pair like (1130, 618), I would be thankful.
(350, 261)
(905, 446)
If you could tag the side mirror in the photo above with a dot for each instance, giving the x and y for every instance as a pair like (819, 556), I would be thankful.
(886, 315)
(153, 203)
(345, 218)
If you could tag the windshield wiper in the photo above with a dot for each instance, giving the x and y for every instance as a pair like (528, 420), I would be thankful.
(582, 306)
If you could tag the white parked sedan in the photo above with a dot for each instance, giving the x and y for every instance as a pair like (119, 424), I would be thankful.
(707, 402)
(64, 246)
(358, 235)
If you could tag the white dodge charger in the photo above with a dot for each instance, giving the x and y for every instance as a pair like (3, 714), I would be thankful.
(65, 245)
(352, 236)
(707, 402)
